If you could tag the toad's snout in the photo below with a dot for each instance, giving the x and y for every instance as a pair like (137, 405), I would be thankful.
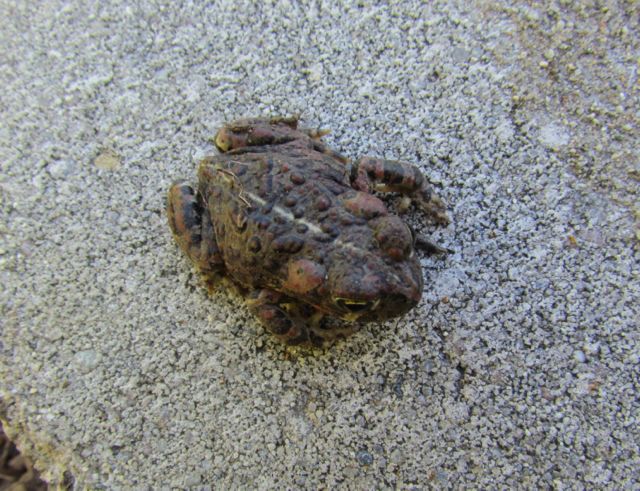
(376, 296)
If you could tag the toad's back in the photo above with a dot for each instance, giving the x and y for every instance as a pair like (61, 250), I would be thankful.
(268, 207)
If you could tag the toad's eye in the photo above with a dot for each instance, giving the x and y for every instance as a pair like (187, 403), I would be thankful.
(354, 306)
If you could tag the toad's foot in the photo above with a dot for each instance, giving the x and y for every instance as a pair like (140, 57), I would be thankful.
(292, 323)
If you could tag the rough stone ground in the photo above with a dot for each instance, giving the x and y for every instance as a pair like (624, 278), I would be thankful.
(520, 368)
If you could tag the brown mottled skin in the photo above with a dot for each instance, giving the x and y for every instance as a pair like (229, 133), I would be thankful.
(293, 224)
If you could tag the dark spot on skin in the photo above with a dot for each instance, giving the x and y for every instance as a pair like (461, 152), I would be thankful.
(190, 217)
(347, 220)
(301, 228)
(266, 208)
(261, 221)
(254, 244)
(290, 201)
(298, 212)
(398, 178)
(386, 174)
(334, 187)
(288, 243)
(278, 229)
(323, 203)
(297, 178)
(330, 229)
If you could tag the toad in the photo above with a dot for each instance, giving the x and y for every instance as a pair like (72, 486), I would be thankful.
(295, 226)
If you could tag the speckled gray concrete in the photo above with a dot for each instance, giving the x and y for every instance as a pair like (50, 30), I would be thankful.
(520, 368)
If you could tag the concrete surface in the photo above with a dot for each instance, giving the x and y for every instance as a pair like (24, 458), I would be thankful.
(520, 368)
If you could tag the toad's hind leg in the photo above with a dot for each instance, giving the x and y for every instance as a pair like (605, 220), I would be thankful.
(392, 176)
(190, 222)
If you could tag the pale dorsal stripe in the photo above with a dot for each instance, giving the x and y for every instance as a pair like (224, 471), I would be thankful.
(287, 215)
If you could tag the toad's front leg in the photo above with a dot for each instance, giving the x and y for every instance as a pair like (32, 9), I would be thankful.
(383, 175)
(288, 321)
(190, 222)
